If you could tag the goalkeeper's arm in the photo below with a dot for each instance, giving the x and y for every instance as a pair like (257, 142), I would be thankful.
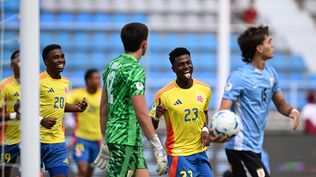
(103, 157)
(139, 104)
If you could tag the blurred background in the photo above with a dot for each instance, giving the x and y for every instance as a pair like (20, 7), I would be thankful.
(89, 33)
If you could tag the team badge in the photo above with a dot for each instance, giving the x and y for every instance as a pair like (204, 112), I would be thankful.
(271, 80)
(139, 86)
(200, 98)
(228, 86)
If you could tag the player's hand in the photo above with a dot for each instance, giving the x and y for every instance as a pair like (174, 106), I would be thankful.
(294, 114)
(160, 110)
(17, 106)
(81, 106)
(218, 139)
(205, 138)
(102, 159)
(48, 122)
(160, 155)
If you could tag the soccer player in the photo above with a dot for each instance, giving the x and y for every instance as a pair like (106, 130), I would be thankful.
(248, 92)
(87, 132)
(184, 103)
(9, 93)
(123, 111)
(53, 94)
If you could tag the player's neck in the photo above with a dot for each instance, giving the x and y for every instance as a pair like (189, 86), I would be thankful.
(17, 76)
(91, 90)
(136, 54)
(53, 75)
(184, 84)
(258, 63)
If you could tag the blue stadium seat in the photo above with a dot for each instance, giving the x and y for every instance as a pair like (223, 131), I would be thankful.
(208, 41)
(119, 18)
(191, 41)
(235, 62)
(65, 18)
(80, 59)
(138, 17)
(297, 63)
(46, 37)
(101, 18)
(65, 39)
(159, 62)
(11, 5)
(115, 41)
(280, 62)
(84, 18)
(100, 40)
(204, 61)
(7, 55)
(81, 40)
(233, 43)
(171, 40)
(11, 39)
(154, 40)
(11, 18)
(98, 59)
(47, 17)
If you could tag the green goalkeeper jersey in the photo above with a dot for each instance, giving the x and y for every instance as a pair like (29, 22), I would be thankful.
(123, 77)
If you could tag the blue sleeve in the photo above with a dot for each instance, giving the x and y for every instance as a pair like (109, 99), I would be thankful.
(234, 86)
(276, 85)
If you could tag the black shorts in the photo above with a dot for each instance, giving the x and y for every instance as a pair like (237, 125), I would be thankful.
(252, 161)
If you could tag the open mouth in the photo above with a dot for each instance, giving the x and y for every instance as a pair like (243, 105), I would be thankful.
(60, 66)
(188, 75)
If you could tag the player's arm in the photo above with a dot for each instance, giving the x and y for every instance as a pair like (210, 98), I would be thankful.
(205, 131)
(139, 104)
(103, 157)
(159, 111)
(9, 116)
(103, 112)
(140, 108)
(286, 109)
(77, 106)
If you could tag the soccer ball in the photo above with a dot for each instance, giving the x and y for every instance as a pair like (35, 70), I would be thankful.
(225, 123)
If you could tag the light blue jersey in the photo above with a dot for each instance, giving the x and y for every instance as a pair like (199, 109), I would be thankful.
(251, 91)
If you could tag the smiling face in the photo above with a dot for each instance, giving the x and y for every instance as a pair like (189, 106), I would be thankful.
(55, 61)
(183, 67)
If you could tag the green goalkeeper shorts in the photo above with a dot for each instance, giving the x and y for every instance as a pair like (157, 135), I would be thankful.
(124, 160)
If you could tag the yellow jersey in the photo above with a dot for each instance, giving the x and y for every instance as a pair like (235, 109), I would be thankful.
(9, 93)
(53, 95)
(184, 116)
(87, 122)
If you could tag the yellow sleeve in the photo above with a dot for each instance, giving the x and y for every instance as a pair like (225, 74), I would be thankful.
(152, 111)
(208, 99)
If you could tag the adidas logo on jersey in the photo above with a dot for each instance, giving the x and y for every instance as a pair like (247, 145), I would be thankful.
(16, 94)
(51, 90)
(177, 102)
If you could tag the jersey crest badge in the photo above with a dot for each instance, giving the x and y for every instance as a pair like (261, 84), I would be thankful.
(200, 98)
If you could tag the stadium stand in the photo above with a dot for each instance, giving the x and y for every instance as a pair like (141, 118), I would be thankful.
(88, 30)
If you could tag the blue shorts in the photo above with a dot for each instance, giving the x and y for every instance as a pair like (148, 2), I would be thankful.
(10, 154)
(192, 166)
(55, 156)
(85, 150)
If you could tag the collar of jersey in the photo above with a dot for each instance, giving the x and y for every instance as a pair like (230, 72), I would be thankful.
(256, 69)
(129, 56)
